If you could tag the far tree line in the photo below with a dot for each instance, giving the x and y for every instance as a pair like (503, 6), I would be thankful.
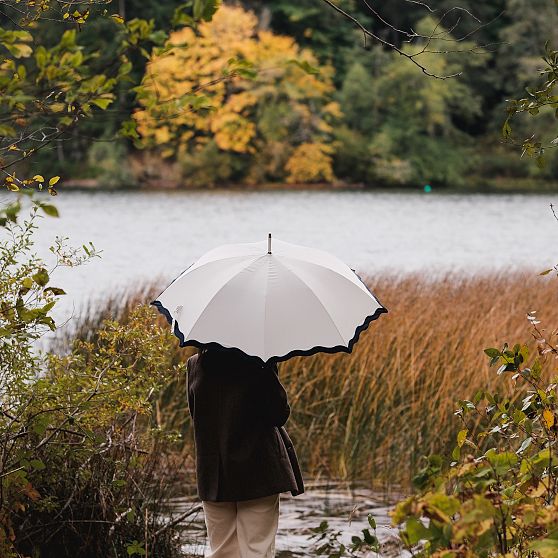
(299, 94)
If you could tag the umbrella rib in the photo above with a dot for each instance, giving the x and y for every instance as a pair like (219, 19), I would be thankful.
(316, 297)
(201, 266)
(191, 271)
(353, 277)
(265, 312)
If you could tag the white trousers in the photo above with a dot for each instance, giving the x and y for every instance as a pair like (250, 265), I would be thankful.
(243, 529)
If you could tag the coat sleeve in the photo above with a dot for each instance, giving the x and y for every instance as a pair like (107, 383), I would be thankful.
(275, 405)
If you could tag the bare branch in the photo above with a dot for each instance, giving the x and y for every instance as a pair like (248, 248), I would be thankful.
(410, 36)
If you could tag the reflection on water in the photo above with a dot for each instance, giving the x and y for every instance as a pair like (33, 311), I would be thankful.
(345, 510)
(149, 235)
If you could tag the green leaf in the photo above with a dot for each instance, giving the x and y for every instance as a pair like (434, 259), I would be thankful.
(46, 308)
(304, 65)
(415, 531)
(442, 503)
(37, 464)
(135, 548)
(40, 424)
(101, 102)
(19, 50)
(205, 9)
(492, 353)
(41, 56)
(461, 437)
(129, 130)
(501, 462)
(41, 277)
(50, 210)
(5, 331)
(55, 291)
(371, 521)
(506, 129)
(547, 548)
(369, 537)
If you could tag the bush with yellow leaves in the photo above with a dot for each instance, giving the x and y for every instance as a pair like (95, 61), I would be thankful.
(499, 494)
(310, 162)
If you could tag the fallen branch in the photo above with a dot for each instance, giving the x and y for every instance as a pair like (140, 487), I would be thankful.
(176, 521)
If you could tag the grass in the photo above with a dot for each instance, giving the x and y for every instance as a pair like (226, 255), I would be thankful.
(371, 415)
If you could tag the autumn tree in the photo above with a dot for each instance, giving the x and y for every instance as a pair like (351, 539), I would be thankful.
(236, 102)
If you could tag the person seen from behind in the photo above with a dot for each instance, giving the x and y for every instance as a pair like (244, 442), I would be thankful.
(244, 457)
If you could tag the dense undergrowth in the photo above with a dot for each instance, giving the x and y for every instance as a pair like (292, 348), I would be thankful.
(84, 462)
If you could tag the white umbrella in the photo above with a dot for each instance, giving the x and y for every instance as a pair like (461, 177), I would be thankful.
(271, 304)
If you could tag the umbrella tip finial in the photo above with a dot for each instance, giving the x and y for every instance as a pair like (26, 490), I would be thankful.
(269, 243)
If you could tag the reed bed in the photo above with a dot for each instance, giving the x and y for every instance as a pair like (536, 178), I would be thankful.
(372, 414)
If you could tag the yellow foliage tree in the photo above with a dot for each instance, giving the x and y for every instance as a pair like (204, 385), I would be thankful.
(310, 162)
(254, 100)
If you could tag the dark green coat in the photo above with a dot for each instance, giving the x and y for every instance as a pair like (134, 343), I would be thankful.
(238, 408)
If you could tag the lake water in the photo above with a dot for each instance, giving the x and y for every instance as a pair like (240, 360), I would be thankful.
(150, 235)
(345, 509)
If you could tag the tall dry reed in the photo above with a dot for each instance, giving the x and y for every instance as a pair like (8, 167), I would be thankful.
(371, 415)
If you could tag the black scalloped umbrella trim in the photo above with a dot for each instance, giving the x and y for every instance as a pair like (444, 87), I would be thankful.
(297, 352)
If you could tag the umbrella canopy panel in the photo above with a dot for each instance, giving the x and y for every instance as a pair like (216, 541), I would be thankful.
(293, 301)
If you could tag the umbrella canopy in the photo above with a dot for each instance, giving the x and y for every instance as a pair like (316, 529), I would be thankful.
(269, 303)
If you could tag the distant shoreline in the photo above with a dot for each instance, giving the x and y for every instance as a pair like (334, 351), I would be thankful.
(491, 186)
(94, 184)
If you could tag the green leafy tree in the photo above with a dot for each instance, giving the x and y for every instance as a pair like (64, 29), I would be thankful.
(315, 26)
(399, 124)
(50, 84)
(73, 473)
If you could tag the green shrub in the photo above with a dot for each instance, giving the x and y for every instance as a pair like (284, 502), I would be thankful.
(208, 166)
(83, 456)
(497, 494)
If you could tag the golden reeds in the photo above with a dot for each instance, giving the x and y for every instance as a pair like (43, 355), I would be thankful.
(371, 415)
(374, 413)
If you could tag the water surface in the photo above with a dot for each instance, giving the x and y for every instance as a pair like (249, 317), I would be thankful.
(150, 235)
(345, 509)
